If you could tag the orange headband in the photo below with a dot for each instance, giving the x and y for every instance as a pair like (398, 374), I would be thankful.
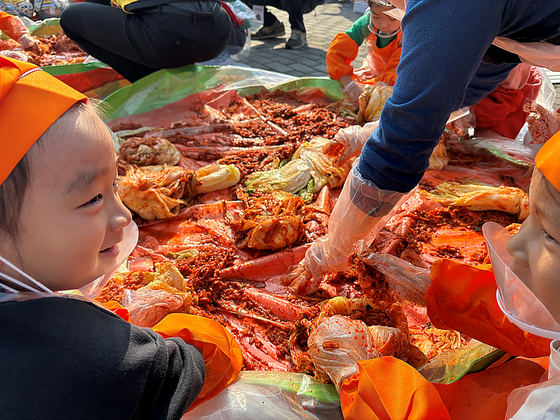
(30, 101)
(548, 160)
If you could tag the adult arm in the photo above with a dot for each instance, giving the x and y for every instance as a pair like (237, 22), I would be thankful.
(444, 43)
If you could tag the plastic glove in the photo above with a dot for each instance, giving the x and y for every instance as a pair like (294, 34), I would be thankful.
(353, 91)
(336, 346)
(349, 142)
(222, 355)
(29, 42)
(14, 54)
(360, 213)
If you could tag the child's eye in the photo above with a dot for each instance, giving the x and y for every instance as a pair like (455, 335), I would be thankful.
(116, 184)
(548, 237)
(93, 201)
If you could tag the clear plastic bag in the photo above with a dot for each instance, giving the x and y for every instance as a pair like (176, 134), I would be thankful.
(406, 281)
(337, 345)
(271, 396)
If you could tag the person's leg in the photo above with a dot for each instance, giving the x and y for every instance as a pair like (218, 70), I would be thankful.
(298, 38)
(136, 45)
(100, 31)
(272, 27)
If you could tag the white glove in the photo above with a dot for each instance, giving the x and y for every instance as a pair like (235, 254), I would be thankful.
(336, 346)
(353, 91)
(349, 142)
(360, 212)
(28, 42)
(14, 54)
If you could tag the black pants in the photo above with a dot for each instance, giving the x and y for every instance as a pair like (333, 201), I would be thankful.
(293, 7)
(139, 44)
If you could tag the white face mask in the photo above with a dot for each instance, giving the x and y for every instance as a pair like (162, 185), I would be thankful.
(12, 286)
(515, 299)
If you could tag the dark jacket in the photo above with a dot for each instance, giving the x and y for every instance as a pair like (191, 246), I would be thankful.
(447, 62)
(64, 358)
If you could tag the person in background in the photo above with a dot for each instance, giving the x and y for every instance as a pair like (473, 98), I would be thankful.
(273, 28)
(143, 36)
(521, 319)
(13, 27)
(383, 37)
(502, 110)
(63, 226)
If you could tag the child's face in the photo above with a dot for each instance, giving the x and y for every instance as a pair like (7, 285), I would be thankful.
(71, 216)
(536, 248)
(381, 21)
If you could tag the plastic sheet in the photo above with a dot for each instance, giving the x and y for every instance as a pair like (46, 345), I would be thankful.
(170, 85)
(271, 396)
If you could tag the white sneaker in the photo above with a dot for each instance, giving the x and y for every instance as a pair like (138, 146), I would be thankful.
(297, 40)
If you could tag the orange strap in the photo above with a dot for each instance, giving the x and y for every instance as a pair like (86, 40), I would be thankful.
(342, 51)
(463, 298)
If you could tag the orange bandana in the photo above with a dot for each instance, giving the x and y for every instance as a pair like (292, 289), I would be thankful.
(548, 160)
(30, 101)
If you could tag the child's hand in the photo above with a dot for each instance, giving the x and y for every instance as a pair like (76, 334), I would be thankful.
(353, 91)
(29, 42)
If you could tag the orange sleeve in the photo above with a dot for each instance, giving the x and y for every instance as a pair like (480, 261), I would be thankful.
(391, 56)
(222, 355)
(390, 389)
(483, 395)
(463, 298)
(12, 26)
(502, 109)
(342, 51)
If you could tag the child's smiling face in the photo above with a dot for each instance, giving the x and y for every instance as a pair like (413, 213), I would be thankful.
(536, 248)
(71, 217)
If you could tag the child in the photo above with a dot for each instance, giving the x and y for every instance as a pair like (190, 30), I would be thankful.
(383, 37)
(61, 222)
(13, 27)
(464, 298)
(502, 110)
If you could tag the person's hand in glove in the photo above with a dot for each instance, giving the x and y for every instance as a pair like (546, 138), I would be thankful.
(352, 89)
(29, 42)
(348, 142)
(360, 213)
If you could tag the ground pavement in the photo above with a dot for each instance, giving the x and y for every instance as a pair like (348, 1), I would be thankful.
(322, 25)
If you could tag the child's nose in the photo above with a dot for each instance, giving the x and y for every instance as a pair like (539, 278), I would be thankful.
(121, 216)
(517, 247)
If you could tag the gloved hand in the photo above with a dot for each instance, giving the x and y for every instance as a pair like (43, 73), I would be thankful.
(336, 346)
(360, 213)
(29, 42)
(348, 142)
(14, 54)
(353, 91)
